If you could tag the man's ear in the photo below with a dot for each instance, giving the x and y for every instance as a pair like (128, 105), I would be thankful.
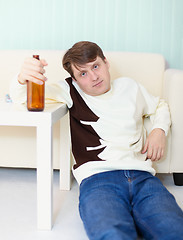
(106, 61)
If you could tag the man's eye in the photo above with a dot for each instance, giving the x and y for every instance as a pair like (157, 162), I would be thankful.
(96, 66)
(83, 74)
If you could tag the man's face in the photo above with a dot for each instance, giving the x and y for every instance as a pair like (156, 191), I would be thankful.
(93, 78)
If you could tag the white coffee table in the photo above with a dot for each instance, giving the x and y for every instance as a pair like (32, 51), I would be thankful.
(17, 115)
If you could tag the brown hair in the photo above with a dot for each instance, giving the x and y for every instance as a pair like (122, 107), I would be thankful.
(81, 53)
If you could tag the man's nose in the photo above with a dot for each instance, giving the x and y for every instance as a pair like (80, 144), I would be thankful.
(94, 76)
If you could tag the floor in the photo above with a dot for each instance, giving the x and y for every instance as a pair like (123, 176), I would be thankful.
(18, 207)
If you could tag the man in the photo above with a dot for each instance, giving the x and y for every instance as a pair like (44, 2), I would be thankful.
(119, 194)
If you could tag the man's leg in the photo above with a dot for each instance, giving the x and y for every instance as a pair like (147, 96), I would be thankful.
(105, 213)
(155, 210)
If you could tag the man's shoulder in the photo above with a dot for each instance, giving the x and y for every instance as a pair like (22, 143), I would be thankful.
(125, 81)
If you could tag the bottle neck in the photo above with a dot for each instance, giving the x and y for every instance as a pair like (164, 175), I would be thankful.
(36, 56)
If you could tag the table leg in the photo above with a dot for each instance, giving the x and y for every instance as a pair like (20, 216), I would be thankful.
(44, 177)
(65, 151)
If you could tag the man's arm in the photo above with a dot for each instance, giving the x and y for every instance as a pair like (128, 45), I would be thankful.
(33, 70)
(156, 141)
(158, 112)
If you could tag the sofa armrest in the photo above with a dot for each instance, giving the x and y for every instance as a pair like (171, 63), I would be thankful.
(173, 94)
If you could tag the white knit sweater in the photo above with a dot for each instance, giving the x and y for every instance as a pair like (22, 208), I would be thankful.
(107, 131)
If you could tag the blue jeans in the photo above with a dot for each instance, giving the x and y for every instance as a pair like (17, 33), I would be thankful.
(121, 204)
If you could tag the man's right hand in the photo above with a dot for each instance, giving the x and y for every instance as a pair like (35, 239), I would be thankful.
(32, 70)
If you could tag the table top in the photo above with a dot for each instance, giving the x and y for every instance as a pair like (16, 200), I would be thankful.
(17, 114)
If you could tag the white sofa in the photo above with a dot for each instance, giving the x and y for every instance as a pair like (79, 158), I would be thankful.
(148, 69)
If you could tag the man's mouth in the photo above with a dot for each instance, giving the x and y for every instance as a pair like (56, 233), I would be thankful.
(97, 84)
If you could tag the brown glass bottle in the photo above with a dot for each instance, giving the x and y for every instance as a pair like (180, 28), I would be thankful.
(35, 95)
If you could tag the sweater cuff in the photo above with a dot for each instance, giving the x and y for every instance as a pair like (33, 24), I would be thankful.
(163, 127)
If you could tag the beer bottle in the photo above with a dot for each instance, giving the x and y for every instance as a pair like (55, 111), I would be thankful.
(35, 95)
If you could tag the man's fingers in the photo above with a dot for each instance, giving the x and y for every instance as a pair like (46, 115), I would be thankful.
(144, 148)
(157, 154)
(160, 154)
(34, 61)
(44, 62)
(154, 155)
(36, 78)
(149, 152)
(35, 74)
(32, 69)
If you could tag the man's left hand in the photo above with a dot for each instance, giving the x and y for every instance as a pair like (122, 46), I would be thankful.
(155, 144)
